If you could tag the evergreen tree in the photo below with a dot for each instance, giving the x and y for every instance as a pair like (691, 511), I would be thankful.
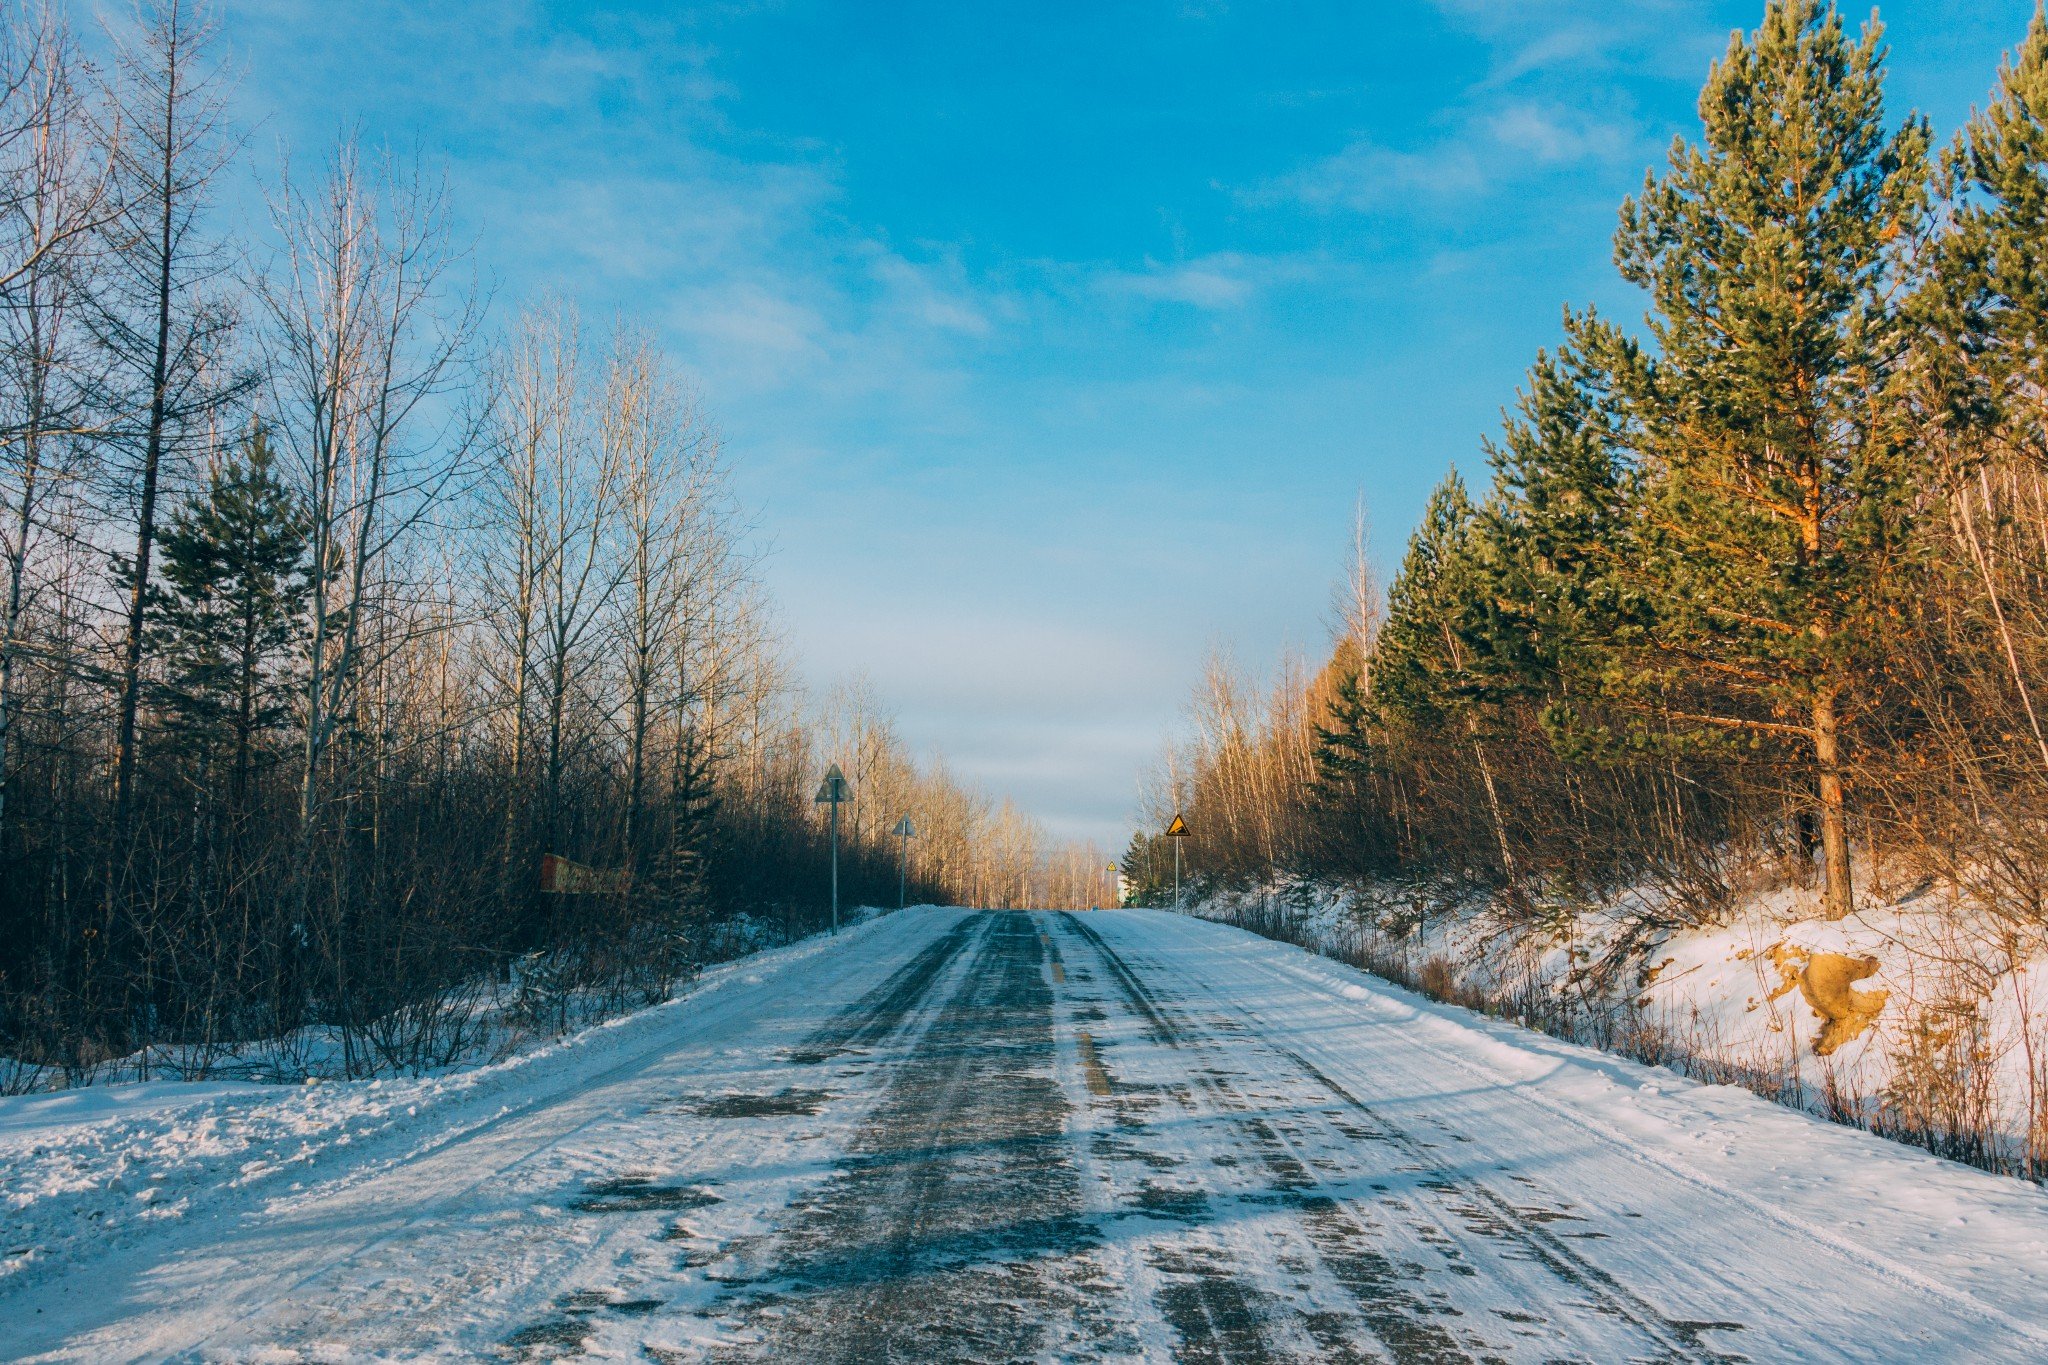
(1555, 530)
(236, 579)
(1147, 868)
(682, 870)
(1990, 294)
(1355, 827)
(1776, 458)
(1426, 675)
(1422, 671)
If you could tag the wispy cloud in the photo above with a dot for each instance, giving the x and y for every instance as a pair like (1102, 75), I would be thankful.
(753, 327)
(1557, 134)
(1535, 38)
(1554, 94)
(1216, 282)
(938, 296)
(1367, 176)
(1496, 145)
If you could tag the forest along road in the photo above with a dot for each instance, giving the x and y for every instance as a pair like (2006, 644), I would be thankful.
(997, 1136)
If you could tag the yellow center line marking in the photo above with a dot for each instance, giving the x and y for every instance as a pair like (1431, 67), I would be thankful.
(1091, 1064)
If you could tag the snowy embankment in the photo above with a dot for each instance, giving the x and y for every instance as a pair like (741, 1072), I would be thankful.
(482, 1020)
(1974, 1242)
(1915, 1017)
(86, 1170)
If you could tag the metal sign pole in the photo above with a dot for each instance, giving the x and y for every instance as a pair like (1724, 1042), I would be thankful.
(1177, 831)
(904, 829)
(834, 789)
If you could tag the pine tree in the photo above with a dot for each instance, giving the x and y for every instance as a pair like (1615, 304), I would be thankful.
(1990, 292)
(1555, 529)
(1147, 868)
(682, 869)
(1348, 812)
(236, 578)
(1776, 461)
(1420, 672)
(1425, 672)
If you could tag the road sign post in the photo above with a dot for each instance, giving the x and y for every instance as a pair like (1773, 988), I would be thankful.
(1177, 831)
(905, 832)
(834, 789)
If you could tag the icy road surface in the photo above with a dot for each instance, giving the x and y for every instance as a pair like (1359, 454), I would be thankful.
(1005, 1136)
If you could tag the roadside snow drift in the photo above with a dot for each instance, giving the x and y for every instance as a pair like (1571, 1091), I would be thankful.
(952, 1135)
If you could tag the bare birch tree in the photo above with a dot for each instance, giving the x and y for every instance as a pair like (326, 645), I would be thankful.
(369, 327)
(167, 321)
(54, 205)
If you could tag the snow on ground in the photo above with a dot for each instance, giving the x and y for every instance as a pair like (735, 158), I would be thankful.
(1927, 1222)
(1914, 1012)
(488, 1021)
(951, 1135)
(90, 1169)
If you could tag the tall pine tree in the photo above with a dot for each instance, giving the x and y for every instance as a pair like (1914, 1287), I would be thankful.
(1427, 673)
(236, 578)
(1990, 290)
(1557, 527)
(1776, 461)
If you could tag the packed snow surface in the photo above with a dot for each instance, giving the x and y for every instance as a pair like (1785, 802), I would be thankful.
(955, 1135)
(1922, 1013)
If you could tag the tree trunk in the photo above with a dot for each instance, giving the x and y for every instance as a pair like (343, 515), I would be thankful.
(152, 457)
(1500, 828)
(1837, 896)
(11, 623)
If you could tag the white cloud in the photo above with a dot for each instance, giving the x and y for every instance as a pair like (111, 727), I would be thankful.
(1555, 134)
(750, 323)
(1541, 37)
(1199, 286)
(1217, 282)
(1493, 146)
(1365, 177)
(939, 297)
(1552, 97)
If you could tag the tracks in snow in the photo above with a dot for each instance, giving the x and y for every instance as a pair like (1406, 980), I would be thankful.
(1008, 1136)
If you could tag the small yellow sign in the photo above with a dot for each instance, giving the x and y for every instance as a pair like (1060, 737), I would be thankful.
(1178, 829)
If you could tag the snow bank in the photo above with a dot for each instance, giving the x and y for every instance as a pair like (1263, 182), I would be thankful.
(85, 1169)
(489, 1022)
(1941, 1227)
(1916, 1016)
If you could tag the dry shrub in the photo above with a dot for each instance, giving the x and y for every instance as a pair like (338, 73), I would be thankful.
(1942, 1093)
(1437, 980)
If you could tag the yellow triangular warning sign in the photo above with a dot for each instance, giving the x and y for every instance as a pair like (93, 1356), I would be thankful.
(1178, 829)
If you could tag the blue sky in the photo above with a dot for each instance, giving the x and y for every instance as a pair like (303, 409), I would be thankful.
(1054, 342)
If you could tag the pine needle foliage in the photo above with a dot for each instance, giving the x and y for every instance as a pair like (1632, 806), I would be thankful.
(1758, 590)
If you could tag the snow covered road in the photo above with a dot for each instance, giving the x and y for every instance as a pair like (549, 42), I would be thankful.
(995, 1136)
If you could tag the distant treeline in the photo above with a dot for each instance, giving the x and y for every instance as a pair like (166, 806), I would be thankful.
(327, 609)
(1758, 590)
